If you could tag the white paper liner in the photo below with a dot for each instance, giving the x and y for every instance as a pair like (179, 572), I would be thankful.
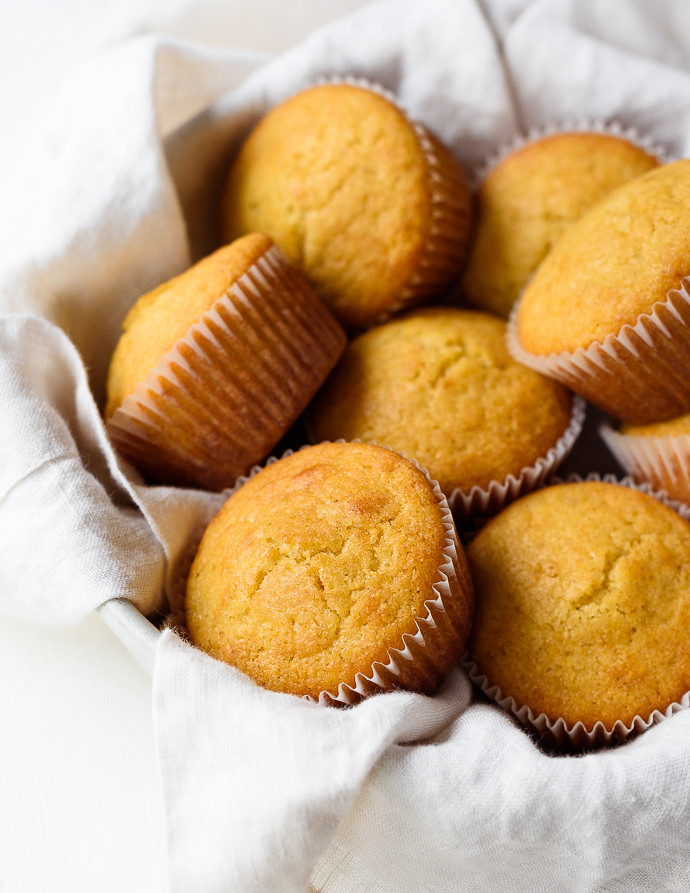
(438, 631)
(662, 462)
(488, 500)
(451, 211)
(227, 392)
(557, 733)
(639, 375)
(577, 125)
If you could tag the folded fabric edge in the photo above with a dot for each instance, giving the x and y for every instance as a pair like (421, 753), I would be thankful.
(135, 632)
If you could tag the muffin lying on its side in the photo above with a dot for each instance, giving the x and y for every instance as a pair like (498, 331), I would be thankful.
(215, 365)
(367, 204)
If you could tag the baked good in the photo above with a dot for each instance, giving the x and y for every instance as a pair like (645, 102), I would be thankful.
(583, 601)
(214, 366)
(606, 312)
(370, 206)
(657, 454)
(439, 385)
(528, 200)
(323, 568)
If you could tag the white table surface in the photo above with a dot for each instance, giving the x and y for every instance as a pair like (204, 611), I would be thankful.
(80, 806)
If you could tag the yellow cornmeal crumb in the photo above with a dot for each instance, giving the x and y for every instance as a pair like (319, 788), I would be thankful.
(583, 603)
(670, 428)
(337, 176)
(317, 566)
(160, 318)
(530, 198)
(439, 385)
(612, 265)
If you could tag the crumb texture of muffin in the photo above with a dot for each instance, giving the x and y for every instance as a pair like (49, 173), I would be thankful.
(369, 206)
(612, 265)
(583, 602)
(670, 428)
(439, 385)
(531, 197)
(321, 563)
(215, 365)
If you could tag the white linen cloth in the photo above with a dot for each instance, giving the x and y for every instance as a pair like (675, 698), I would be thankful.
(265, 792)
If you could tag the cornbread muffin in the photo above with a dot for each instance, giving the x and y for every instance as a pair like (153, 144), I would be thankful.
(439, 385)
(529, 199)
(370, 206)
(657, 454)
(214, 366)
(325, 563)
(599, 313)
(583, 603)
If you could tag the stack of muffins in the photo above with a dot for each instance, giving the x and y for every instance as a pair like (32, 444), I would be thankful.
(336, 571)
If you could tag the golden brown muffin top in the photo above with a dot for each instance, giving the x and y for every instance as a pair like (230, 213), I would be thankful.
(336, 175)
(530, 198)
(439, 385)
(670, 428)
(160, 318)
(316, 566)
(583, 603)
(612, 265)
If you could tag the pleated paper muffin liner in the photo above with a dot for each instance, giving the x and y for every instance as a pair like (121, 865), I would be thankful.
(662, 462)
(423, 658)
(222, 398)
(440, 260)
(639, 375)
(482, 501)
(576, 125)
(559, 734)
(556, 732)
